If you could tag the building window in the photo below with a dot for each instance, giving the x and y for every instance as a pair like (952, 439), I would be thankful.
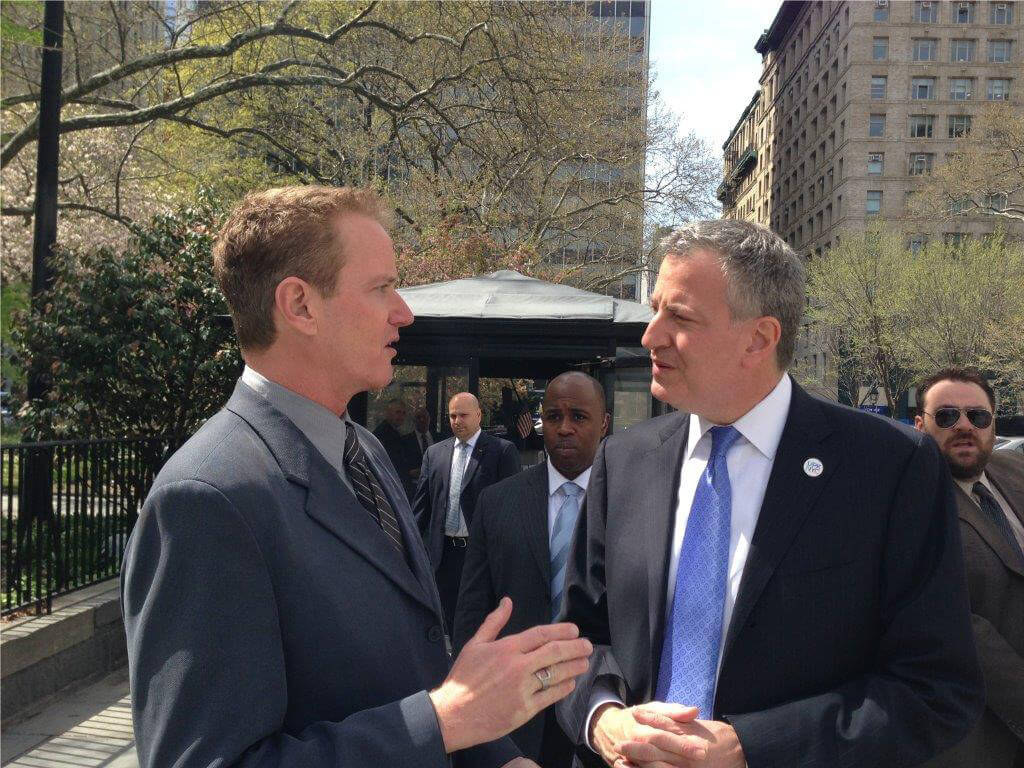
(955, 239)
(999, 89)
(926, 13)
(921, 164)
(925, 49)
(1000, 13)
(922, 88)
(876, 163)
(961, 50)
(874, 202)
(963, 13)
(999, 51)
(881, 10)
(878, 87)
(959, 125)
(960, 88)
(876, 125)
(917, 244)
(880, 49)
(921, 126)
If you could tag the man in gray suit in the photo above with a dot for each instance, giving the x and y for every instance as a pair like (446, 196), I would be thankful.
(527, 520)
(957, 406)
(278, 602)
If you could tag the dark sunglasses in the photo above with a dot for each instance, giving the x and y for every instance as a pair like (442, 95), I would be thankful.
(947, 417)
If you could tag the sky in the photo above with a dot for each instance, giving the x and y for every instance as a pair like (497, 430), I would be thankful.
(703, 58)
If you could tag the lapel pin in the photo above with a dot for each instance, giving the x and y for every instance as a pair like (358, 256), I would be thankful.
(813, 467)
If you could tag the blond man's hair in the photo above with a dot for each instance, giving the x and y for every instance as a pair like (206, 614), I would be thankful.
(278, 233)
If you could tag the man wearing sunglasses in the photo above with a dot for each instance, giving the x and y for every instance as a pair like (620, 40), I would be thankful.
(957, 406)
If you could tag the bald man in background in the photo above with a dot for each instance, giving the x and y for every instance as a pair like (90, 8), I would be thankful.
(453, 473)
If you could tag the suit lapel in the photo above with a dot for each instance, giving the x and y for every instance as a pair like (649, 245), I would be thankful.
(969, 511)
(328, 499)
(658, 506)
(474, 461)
(1009, 479)
(534, 512)
(788, 499)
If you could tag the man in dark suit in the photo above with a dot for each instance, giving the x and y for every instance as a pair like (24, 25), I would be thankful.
(957, 407)
(278, 603)
(768, 579)
(453, 473)
(416, 444)
(527, 520)
(396, 445)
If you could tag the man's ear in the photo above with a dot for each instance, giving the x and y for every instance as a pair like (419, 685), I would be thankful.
(297, 305)
(919, 423)
(763, 340)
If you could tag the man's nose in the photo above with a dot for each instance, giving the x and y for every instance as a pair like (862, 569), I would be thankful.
(651, 339)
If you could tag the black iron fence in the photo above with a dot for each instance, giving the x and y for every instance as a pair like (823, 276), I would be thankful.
(68, 507)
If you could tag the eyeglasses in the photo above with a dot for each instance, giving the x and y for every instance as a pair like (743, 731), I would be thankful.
(947, 417)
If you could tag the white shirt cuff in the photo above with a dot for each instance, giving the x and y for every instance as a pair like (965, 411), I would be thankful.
(600, 695)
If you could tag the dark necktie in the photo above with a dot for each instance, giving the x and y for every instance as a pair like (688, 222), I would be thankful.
(991, 507)
(368, 490)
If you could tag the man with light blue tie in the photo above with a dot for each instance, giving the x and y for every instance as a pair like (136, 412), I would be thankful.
(521, 534)
(768, 578)
(453, 473)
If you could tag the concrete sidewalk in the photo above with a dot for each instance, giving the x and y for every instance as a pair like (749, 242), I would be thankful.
(91, 728)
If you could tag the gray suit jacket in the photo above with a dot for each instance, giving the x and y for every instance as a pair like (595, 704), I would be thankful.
(269, 621)
(996, 582)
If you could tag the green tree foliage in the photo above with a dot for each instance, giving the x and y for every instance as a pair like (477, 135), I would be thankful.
(891, 317)
(134, 342)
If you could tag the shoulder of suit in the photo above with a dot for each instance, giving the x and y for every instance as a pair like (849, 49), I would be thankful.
(507, 488)
(1006, 461)
(648, 433)
(879, 431)
(487, 437)
(207, 456)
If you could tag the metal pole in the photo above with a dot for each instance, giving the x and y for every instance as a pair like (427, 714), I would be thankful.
(45, 231)
(38, 490)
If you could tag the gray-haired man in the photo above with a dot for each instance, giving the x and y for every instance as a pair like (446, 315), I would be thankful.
(768, 578)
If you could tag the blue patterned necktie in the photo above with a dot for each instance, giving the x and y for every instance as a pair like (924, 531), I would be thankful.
(561, 539)
(693, 630)
(991, 508)
(453, 518)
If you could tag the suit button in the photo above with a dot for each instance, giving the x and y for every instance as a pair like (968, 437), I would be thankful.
(434, 634)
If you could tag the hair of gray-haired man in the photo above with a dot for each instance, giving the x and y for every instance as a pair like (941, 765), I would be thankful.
(765, 277)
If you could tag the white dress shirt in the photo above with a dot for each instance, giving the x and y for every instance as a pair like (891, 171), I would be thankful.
(750, 462)
(1011, 518)
(556, 496)
(463, 528)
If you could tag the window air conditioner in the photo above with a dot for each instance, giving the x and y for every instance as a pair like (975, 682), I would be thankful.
(965, 6)
(881, 3)
(926, 4)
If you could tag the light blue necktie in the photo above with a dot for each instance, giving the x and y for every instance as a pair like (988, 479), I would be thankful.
(453, 520)
(693, 630)
(561, 540)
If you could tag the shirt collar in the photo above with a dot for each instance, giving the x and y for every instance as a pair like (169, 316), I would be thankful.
(762, 425)
(556, 479)
(323, 428)
(472, 441)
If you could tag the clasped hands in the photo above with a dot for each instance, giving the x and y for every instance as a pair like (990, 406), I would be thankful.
(495, 686)
(661, 735)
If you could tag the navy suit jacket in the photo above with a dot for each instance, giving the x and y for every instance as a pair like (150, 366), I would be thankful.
(269, 621)
(493, 459)
(850, 641)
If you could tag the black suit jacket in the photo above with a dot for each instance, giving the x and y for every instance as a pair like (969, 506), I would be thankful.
(850, 641)
(400, 452)
(996, 582)
(493, 459)
(509, 554)
(269, 621)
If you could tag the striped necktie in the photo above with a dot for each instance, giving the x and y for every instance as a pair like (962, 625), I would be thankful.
(991, 508)
(453, 518)
(368, 489)
(561, 540)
